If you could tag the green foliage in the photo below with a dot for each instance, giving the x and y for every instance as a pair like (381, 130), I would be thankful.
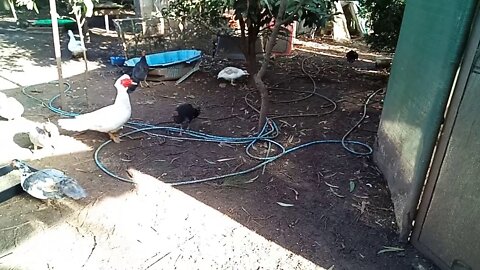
(209, 12)
(255, 17)
(63, 6)
(29, 4)
(385, 22)
(262, 12)
(256, 13)
(84, 8)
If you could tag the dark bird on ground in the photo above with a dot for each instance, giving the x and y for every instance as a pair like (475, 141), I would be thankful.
(352, 56)
(185, 113)
(48, 183)
(139, 73)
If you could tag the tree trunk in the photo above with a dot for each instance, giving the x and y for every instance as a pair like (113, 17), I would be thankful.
(265, 104)
(251, 56)
(261, 87)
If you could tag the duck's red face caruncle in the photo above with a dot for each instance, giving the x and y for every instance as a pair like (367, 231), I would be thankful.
(126, 82)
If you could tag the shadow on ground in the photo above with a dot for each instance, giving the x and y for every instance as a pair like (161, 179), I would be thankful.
(339, 211)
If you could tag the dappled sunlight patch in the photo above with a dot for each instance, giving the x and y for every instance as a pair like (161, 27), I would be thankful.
(21, 55)
(400, 128)
(44, 74)
(328, 47)
(35, 223)
(16, 144)
(63, 145)
(369, 71)
(101, 32)
(154, 226)
(319, 53)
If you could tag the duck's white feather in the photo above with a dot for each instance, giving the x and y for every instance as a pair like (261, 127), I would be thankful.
(231, 73)
(10, 108)
(43, 134)
(76, 47)
(107, 119)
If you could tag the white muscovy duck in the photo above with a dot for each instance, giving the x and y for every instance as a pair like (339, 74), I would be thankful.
(231, 74)
(76, 47)
(109, 119)
(48, 183)
(10, 108)
(44, 135)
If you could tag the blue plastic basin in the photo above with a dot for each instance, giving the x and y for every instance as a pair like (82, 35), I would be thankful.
(117, 60)
(164, 59)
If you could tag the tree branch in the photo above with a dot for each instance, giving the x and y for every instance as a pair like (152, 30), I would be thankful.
(272, 39)
(242, 27)
(243, 37)
(262, 88)
(265, 12)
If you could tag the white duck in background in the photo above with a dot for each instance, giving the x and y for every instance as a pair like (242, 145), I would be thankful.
(48, 183)
(76, 47)
(44, 135)
(231, 74)
(109, 119)
(10, 108)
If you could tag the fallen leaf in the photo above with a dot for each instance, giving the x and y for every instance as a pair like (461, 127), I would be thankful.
(208, 161)
(330, 185)
(331, 175)
(390, 249)
(336, 194)
(285, 204)
(147, 102)
(362, 208)
(352, 186)
(225, 159)
(251, 180)
(296, 193)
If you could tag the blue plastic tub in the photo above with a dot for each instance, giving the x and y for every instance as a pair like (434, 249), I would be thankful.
(165, 59)
(117, 60)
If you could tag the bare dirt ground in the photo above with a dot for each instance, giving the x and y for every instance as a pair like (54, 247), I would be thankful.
(341, 216)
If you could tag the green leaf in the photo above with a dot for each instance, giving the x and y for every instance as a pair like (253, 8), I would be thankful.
(300, 13)
(266, 3)
(352, 186)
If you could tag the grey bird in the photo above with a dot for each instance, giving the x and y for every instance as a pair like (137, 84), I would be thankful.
(48, 183)
(44, 135)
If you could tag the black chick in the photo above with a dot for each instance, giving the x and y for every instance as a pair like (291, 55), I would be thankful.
(139, 73)
(185, 113)
(352, 56)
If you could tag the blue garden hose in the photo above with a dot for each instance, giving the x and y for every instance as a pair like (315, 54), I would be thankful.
(268, 134)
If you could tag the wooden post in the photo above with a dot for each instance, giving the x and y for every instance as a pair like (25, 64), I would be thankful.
(14, 11)
(77, 10)
(58, 54)
(107, 24)
(144, 8)
(340, 28)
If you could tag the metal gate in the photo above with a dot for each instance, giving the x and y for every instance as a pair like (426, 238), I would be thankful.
(447, 227)
(429, 52)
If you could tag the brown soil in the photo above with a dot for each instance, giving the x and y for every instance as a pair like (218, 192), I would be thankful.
(345, 226)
